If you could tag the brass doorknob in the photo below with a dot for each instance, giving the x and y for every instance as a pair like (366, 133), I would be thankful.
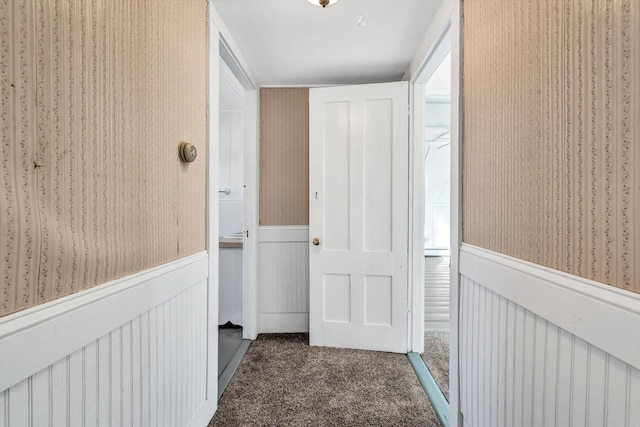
(316, 241)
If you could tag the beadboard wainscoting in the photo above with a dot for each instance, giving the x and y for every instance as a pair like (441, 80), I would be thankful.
(283, 279)
(542, 347)
(129, 352)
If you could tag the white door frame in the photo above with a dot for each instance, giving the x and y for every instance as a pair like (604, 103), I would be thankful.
(220, 42)
(251, 193)
(455, 418)
(229, 51)
(438, 53)
(211, 218)
(446, 23)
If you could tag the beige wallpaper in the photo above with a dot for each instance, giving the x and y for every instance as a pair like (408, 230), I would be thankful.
(284, 156)
(96, 97)
(551, 134)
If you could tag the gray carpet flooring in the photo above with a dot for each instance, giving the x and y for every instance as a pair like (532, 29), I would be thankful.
(436, 357)
(282, 381)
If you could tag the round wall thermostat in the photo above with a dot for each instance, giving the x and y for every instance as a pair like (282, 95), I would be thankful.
(188, 152)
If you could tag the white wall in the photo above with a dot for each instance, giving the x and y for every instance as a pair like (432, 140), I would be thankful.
(231, 147)
(565, 352)
(231, 172)
(231, 154)
(231, 219)
(437, 153)
(230, 286)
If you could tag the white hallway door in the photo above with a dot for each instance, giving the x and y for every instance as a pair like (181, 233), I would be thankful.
(358, 212)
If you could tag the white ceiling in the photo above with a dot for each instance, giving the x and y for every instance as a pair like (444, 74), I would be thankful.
(291, 42)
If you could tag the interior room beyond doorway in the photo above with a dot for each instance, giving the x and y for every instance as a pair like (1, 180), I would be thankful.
(437, 227)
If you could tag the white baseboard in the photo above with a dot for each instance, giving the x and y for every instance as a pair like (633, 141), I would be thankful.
(205, 413)
(65, 325)
(602, 315)
(283, 322)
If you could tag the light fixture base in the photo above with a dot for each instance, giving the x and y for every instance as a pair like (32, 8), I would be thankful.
(323, 3)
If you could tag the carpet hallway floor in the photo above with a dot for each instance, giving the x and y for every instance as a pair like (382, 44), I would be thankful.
(282, 381)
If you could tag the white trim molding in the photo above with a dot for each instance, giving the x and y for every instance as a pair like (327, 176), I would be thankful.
(444, 33)
(229, 53)
(437, 28)
(283, 323)
(251, 219)
(455, 419)
(69, 323)
(236, 59)
(602, 315)
(288, 233)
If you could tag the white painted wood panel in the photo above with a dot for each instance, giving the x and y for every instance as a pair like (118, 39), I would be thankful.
(59, 375)
(283, 281)
(520, 369)
(115, 380)
(284, 278)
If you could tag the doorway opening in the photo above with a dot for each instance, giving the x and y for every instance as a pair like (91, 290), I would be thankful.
(435, 178)
(231, 226)
(437, 214)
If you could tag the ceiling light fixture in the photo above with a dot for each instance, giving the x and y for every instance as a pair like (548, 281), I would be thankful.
(323, 3)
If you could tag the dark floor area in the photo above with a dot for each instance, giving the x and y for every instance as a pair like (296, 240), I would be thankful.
(229, 341)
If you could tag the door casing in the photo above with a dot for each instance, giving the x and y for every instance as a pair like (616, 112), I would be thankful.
(448, 19)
